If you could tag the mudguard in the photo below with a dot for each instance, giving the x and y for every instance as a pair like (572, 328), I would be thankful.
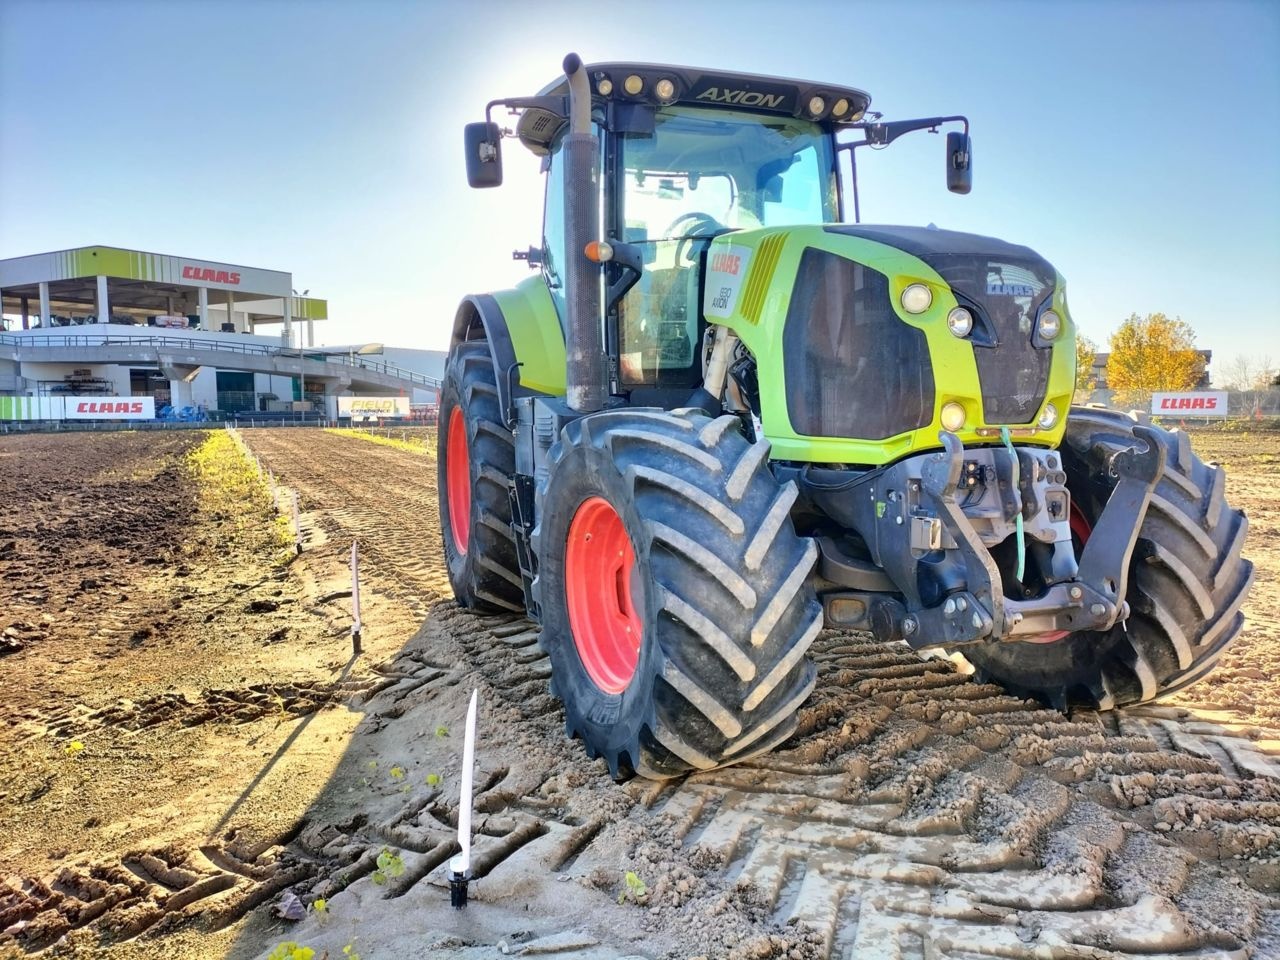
(524, 336)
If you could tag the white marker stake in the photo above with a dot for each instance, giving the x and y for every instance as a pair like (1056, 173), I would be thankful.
(460, 866)
(297, 525)
(356, 626)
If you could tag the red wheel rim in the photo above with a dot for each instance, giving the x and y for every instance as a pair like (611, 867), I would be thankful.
(1080, 530)
(599, 562)
(457, 467)
(1080, 525)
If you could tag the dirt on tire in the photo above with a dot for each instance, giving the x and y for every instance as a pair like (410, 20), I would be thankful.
(914, 813)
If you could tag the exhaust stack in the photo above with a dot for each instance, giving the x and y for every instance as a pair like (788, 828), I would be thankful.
(585, 385)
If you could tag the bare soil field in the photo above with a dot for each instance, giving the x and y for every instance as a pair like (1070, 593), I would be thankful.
(232, 752)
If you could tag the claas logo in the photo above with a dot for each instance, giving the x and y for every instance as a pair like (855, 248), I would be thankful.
(117, 406)
(210, 276)
(1188, 403)
(726, 263)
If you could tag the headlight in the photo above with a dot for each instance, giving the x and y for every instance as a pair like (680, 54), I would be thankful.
(916, 298)
(952, 416)
(840, 109)
(1049, 325)
(665, 90)
(633, 84)
(816, 106)
(960, 321)
(1049, 419)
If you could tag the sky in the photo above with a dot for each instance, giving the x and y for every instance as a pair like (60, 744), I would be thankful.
(1134, 145)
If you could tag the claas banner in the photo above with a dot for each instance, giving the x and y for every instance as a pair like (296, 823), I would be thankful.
(373, 408)
(77, 408)
(1200, 403)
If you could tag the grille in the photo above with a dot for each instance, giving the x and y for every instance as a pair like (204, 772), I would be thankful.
(1008, 294)
(761, 275)
(853, 369)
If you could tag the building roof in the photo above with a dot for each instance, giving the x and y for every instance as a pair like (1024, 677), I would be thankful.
(144, 280)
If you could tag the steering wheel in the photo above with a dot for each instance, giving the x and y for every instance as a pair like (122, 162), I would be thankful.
(699, 223)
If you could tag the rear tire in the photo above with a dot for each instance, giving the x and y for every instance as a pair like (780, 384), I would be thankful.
(718, 587)
(476, 452)
(1187, 581)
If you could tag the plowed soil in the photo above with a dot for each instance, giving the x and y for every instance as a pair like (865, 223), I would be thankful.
(233, 753)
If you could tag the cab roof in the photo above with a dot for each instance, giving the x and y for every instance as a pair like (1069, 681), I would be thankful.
(646, 84)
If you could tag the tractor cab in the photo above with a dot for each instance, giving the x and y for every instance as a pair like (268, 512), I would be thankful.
(686, 156)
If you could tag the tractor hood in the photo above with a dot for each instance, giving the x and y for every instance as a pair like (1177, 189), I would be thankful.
(849, 372)
(935, 246)
(1005, 286)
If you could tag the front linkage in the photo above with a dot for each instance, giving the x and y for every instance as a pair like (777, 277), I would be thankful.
(930, 522)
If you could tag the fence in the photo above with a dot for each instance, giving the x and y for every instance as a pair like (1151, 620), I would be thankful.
(354, 360)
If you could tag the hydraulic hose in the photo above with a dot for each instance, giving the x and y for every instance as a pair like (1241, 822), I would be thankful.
(1017, 522)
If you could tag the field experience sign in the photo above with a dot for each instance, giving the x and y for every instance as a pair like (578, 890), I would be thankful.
(373, 407)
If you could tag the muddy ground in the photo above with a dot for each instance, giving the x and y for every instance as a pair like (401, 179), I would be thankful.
(188, 740)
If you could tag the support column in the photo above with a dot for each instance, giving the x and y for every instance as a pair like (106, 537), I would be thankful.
(287, 333)
(311, 333)
(202, 294)
(180, 394)
(26, 313)
(44, 305)
(103, 301)
(231, 309)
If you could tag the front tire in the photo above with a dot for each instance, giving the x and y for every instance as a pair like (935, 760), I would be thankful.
(1187, 581)
(475, 457)
(674, 592)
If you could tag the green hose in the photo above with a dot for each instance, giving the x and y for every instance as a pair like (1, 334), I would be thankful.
(1013, 455)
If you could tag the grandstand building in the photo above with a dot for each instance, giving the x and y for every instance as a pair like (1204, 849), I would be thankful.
(177, 333)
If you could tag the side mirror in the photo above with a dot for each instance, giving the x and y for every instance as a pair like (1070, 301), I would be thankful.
(959, 162)
(484, 154)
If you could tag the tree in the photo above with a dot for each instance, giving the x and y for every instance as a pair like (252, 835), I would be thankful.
(1246, 373)
(1152, 353)
(1252, 379)
(1086, 353)
(1238, 374)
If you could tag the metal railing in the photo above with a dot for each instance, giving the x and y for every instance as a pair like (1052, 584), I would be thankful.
(352, 360)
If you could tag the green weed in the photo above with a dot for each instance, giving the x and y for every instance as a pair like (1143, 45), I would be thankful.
(389, 866)
(415, 443)
(634, 889)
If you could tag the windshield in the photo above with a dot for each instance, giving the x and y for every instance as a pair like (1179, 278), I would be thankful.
(703, 171)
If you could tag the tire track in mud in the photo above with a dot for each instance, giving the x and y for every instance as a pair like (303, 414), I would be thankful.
(287, 700)
(916, 806)
(382, 496)
(147, 891)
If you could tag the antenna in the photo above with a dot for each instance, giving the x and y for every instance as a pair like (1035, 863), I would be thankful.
(460, 866)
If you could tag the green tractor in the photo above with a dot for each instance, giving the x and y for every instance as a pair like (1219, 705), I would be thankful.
(719, 417)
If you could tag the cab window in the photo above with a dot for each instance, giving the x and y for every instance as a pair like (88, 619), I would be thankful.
(703, 172)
